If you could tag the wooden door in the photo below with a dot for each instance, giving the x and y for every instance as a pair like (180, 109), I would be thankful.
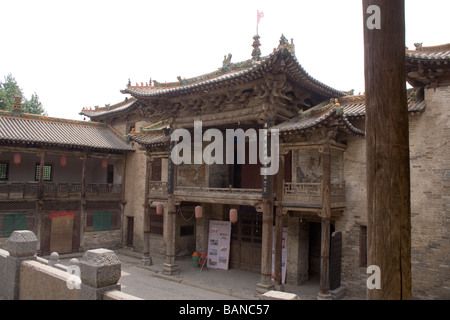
(61, 232)
(246, 236)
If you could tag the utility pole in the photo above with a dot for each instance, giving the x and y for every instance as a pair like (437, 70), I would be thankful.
(387, 148)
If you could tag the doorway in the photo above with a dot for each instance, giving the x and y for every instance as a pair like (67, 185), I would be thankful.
(246, 239)
(61, 232)
(130, 231)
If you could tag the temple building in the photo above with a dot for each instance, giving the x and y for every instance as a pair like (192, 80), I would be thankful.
(308, 221)
(61, 178)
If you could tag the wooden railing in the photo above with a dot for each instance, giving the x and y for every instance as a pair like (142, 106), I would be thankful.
(312, 193)
(218, 192)
(11, 190)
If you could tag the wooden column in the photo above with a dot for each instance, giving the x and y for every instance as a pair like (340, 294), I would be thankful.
(170, 267)
(279, 223)
(83, 200)
(324, 292)
(387, 148)
(41, 176)
(123, 201)
(267, 226)
(146, 259)
(83, 176)
(40, 207)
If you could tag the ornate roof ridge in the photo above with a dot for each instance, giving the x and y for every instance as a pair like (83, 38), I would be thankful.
(228, 67)
(430, 49)
(30, 116)
(108, 107)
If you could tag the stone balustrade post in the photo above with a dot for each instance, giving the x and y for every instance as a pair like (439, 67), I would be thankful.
(100, 272)
(21, 245)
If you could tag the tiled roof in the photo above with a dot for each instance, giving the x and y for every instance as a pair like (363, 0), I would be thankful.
(343, 108)
(20, 128)
(150, 139)
(431, 54)
(238, 73)
(99, 111)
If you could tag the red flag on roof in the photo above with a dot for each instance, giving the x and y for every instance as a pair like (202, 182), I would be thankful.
(260, 15)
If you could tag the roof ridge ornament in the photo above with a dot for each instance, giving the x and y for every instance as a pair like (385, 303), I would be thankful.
(284, 44)
(226, 64)
(256, 53)
(17, 104)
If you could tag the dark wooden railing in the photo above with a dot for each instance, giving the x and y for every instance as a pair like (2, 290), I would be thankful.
(11, 190)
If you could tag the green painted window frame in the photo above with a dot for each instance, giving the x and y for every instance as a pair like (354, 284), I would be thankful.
(4, 166)
(102, 220)
(12, 222)
(48, 172)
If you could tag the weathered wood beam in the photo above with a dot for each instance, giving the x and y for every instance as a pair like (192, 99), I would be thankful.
(387, 144)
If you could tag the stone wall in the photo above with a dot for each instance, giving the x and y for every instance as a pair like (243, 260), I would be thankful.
(430, 196)
(135, 196)
(102, 239)
(430, 202)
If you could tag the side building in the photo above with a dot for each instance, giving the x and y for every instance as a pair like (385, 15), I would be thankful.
(62, 179)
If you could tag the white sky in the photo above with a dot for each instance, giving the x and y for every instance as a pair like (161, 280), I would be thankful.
(77, 54)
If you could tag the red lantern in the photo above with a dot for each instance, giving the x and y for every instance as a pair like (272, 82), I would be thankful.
(105, 163)
(198, 212)
(17, 158)
(159, 209)
(233, 215)
(63, 161)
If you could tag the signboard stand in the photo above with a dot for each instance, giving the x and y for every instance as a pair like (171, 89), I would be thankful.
(219, 244)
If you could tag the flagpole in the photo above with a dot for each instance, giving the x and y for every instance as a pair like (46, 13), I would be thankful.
(257, 17)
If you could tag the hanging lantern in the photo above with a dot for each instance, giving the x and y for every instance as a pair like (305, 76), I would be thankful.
(233, 215)
(63, 161)
(17, 158)
(104, 163)
(198, 212)
(159, 209)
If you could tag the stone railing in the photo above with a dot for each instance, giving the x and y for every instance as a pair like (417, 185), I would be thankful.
(24, 276)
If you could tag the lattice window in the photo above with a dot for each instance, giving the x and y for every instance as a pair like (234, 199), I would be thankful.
(156, 169)
(47, 172)
(101, 221)
(12, 222)
(3, 170)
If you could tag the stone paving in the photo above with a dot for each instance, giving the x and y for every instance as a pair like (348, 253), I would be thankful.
(191, 283)
(149, 282)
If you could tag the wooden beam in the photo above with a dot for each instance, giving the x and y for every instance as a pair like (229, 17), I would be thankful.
(325, 214)
(387, 147)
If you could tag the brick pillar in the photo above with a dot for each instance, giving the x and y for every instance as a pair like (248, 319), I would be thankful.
(22, 245)
(100, 271)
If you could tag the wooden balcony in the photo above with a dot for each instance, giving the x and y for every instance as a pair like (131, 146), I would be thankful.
(236, 196)
(13, 190)
(309, 195)
(157, 190)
